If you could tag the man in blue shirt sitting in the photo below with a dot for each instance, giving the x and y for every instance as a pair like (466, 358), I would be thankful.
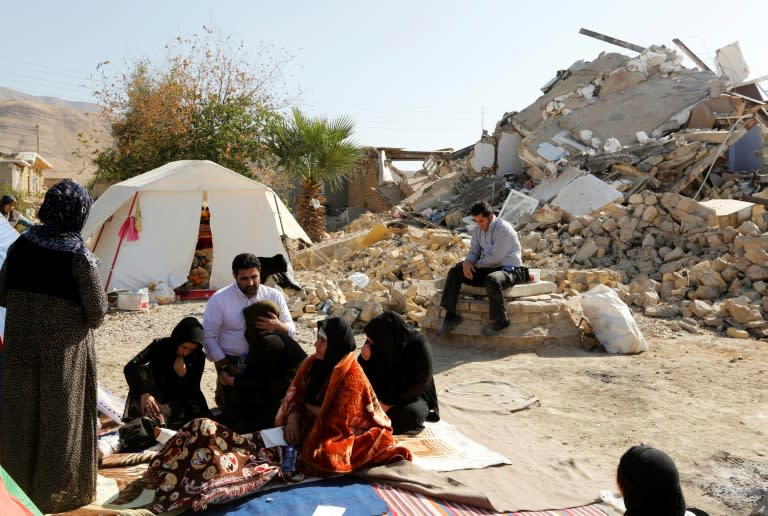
(494, 253)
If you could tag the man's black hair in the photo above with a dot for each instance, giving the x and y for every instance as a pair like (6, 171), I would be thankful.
(481, 208)
(245, 261)
(8, 199)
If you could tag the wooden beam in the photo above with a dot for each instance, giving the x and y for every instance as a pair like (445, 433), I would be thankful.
(756, 200)
(695, 170)
(693, 57)
(612, 41)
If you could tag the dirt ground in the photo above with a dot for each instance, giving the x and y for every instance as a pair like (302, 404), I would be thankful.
(702, 398)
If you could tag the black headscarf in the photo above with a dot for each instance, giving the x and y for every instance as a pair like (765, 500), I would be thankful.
(189, 329)
(650, 482)
(63, 214)
(390, 334)
(341, 341)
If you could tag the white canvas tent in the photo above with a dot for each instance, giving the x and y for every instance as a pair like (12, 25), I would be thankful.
(246, 217)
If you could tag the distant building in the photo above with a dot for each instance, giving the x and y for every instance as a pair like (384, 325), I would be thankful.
(23, 171)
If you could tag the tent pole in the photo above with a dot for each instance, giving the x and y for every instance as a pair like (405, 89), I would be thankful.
(282, 229)
(119, 244)
(98, 238)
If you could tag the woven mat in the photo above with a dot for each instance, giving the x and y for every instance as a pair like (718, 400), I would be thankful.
(406, 503)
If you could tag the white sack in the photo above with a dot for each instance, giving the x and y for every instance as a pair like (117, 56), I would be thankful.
(612, 321)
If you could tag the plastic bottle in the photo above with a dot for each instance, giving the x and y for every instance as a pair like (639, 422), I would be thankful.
(289, 459)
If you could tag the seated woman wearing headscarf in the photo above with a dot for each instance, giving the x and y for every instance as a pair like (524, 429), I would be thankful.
(273, 359)
(649, 481)
(164, 378)
(331, 412)
(398, 363)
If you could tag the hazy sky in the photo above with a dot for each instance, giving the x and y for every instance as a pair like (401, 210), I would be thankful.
(417, 74)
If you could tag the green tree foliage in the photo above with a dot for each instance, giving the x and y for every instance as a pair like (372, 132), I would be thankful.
(317, 152)
(207, 100)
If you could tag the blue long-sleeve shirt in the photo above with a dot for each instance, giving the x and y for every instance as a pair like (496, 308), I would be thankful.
(497, 247)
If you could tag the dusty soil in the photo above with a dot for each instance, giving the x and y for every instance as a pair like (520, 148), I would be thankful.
(700, 397)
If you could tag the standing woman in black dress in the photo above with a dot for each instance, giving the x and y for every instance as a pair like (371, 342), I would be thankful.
(50, 286)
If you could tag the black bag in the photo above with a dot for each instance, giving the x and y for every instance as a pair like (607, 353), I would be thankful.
(521, 275)
(138, 434)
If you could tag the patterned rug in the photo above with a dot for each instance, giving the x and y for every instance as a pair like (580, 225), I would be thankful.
(440, 447)
(406, 503)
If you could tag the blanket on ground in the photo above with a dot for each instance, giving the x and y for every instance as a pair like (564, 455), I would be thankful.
(543, 475)
(206, 462)
(352, 430)
(354, 497)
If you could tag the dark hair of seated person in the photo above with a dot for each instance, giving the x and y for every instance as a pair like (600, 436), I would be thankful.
(650, 484)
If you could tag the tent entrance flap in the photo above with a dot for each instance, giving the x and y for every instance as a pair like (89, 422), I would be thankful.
(200, 272)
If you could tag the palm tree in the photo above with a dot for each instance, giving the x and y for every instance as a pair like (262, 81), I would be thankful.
(319, 152)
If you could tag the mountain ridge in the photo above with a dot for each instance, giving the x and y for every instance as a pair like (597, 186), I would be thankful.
(60, 122)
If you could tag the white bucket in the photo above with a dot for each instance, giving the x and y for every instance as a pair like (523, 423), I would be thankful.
(534, 275)
(133, 300)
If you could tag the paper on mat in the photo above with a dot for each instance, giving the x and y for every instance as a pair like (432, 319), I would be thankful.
(328, 510)
(273, 437)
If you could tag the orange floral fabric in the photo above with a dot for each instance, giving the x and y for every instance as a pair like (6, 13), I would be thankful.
(351, 431)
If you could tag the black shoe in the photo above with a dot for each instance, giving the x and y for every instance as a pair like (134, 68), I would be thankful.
(495, 327)
(449, 324)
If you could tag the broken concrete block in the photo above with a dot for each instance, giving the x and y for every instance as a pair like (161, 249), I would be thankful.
(650, 214)
(757, 273)
(612, 145)
(736, 333)
(742, 310)
(370, 310)
(705, 292)
(730, 62)
(585, 195)
(484, 156)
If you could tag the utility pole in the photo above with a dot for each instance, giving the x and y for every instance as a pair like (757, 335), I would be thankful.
(37, 129)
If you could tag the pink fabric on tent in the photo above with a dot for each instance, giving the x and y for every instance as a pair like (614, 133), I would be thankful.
(128, 229)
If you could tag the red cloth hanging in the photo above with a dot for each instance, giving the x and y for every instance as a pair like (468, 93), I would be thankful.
(128, 229)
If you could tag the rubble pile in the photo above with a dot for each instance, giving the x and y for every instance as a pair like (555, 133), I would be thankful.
(631, 172)
(394, 266)
(665, 253)
(630, 124)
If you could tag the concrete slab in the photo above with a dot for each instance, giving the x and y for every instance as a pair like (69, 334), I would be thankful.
(586, 194)
(484, 158)
(548, 188)
(508, 157)
(730, 62)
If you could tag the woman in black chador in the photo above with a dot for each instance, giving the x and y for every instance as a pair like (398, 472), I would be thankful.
(398, 363)
(164, 378)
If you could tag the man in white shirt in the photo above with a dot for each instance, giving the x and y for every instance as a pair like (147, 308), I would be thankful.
(224, 323)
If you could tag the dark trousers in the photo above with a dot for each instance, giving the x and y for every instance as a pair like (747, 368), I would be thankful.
(226, 396)
(494, 280)
(408, 418)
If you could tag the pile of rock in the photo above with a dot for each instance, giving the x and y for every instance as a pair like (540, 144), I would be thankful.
(362, 273)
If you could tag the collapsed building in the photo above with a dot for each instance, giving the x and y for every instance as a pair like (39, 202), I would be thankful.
(634, 172)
